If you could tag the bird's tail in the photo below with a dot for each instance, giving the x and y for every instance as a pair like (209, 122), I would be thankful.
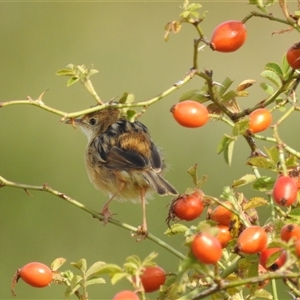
(159, 184)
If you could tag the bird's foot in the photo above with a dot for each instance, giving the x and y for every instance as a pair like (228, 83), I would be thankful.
(106, 213)
(141, 233)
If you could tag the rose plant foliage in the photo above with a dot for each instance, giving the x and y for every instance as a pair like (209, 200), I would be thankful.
(230, 252)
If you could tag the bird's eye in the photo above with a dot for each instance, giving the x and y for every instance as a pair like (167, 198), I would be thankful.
(93, 121)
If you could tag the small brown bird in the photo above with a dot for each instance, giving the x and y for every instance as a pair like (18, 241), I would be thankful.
(122, 160)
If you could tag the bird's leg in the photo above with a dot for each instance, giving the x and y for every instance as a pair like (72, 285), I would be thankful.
(105, 210)
(142, 231)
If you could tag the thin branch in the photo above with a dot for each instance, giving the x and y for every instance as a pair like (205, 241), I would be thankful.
(46, 188)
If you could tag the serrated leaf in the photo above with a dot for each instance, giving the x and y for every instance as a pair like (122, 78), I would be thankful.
(226, 146)
(130, 266)
(272, 76)
(117, 277)
(262, 162)
(134, 259)
(95, 281)
(240, 127)
(57, 263)
(109, 269)
(227, 82)
(263, 184)
(223, 143)
(80, 265)
(149, 259)
(267, 88)
(273, 154)
(195, 95)
(96, 267)
(255, 202)
(272, 66)
(291, 162)
(72, 80)
(176, 229)
(245, 85)
(249, 178)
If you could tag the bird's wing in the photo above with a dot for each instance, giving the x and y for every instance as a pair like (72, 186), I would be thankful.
(132, 148)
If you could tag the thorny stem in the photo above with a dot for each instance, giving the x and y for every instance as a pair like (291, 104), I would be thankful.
(39, 103)
(46, 188)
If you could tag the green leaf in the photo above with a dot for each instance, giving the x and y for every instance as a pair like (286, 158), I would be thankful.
(131, 115)
(262, 162)
(149, 259)
(196, 95)
(255, 202)
(267, 88)
(126, 98)
(95, 281)
(109, 269)
(57, 263)
(272, 66)
(285, 66)
(72, 80)
(130, 266)
(295, 213)
(65, 72)
(261, 294)
(75, 285)
(230, 95)
(95, 268)
(263, 184)
(80, 265)
(227, 82)
(249, 178)
(134, 259)
(240, 127)
(118, 276)
(226, 146)
(273, 154)
(272, 76)
(176, 229)
(272, 258)
(291, 162)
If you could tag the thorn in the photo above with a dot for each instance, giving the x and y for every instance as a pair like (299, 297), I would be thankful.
(63, 196)
(27, 192)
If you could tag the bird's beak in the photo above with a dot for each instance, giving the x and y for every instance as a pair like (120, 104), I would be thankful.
(74, 122)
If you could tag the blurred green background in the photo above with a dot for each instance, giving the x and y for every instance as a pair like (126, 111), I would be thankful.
(124, 41)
